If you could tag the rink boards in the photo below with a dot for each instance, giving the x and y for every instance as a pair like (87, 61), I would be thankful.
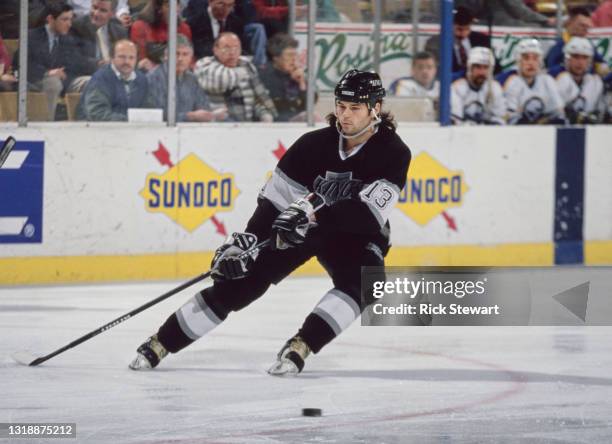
(119, 202)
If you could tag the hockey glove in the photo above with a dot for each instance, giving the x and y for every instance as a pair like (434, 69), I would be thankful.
(291, 226)
(234, 259)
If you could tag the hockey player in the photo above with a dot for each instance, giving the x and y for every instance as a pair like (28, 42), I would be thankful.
(581, 91)
(422, 82)
(330, 196)
(477, 98)
(531, 95)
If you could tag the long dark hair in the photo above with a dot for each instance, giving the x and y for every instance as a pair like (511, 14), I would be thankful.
(386, 119)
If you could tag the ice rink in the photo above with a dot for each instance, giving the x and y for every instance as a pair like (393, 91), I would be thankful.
(374, 384)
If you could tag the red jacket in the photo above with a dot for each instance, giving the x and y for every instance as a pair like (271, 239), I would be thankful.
(4, 56)
(602, 17)
(271, 12)
(142, 33)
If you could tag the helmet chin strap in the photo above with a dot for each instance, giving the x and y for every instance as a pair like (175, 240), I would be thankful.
(376, 120)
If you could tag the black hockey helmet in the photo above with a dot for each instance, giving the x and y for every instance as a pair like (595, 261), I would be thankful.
(360, 87)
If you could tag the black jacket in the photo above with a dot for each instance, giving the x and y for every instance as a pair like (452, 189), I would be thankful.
(285, 92)
(196, 15)
(41, 60)
(475, 38)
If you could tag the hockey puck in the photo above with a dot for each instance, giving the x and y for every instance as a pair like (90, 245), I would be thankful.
(312, 412)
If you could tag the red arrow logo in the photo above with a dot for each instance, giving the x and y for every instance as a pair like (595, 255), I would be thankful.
(162, 155)
(220, 226)
(450, 222)
(280, 151)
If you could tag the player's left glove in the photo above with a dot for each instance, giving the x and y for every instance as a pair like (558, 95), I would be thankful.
(291, 226)
(235, 257)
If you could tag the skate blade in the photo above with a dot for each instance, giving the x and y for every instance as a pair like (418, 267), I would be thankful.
(140, 363)
(283, 368)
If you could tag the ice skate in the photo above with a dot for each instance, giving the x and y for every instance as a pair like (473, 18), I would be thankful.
(290, 360)
(149, 355)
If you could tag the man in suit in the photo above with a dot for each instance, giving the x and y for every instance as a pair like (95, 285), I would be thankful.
(115, 87)
(465, 39)
(207, 22)
(95, 35)
(53, 60)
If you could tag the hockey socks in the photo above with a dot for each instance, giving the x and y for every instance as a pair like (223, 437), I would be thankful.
(332, 315)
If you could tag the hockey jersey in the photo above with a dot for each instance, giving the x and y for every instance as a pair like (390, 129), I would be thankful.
(360, 190)
(539, 102)
(485, 105)
(408, 87)
(580, 100)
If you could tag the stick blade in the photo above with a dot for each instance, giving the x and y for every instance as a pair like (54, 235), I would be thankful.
(25, 358)
(8, 145)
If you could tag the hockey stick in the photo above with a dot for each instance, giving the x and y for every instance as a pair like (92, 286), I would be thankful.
(8, 145)
(26, 358)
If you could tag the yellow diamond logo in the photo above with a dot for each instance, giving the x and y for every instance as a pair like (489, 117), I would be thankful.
(190, 193)
(430, 189)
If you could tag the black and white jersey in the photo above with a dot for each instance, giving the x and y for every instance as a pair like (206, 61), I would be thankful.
(360, 190)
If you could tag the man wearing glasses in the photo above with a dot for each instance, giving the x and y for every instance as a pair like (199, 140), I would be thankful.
(231, 80)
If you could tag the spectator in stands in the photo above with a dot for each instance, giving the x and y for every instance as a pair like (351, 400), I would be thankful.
(254, 32)
(602, 17)
(274, 15)
(284, 78)
(115, 87)
(464, 40)
(477, 98)
(9, 16)
(150, 33)
(207, 22)
(8, 82)
(582, 92)
(578, 25)
(95, 35)
(82, 8)
(192, 104)
(531, 95)
(53, 63)
(510, 13)
(232, 80)
(326, 11)
(422, 82)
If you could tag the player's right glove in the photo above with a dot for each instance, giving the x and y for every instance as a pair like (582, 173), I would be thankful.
(290, 227)
(234, 259)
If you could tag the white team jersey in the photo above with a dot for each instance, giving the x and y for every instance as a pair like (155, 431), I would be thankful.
(485, 105)
(530, 104)
(584, 98)
(411, 88)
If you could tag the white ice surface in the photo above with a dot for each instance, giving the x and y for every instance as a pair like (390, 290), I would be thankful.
(374, 384)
